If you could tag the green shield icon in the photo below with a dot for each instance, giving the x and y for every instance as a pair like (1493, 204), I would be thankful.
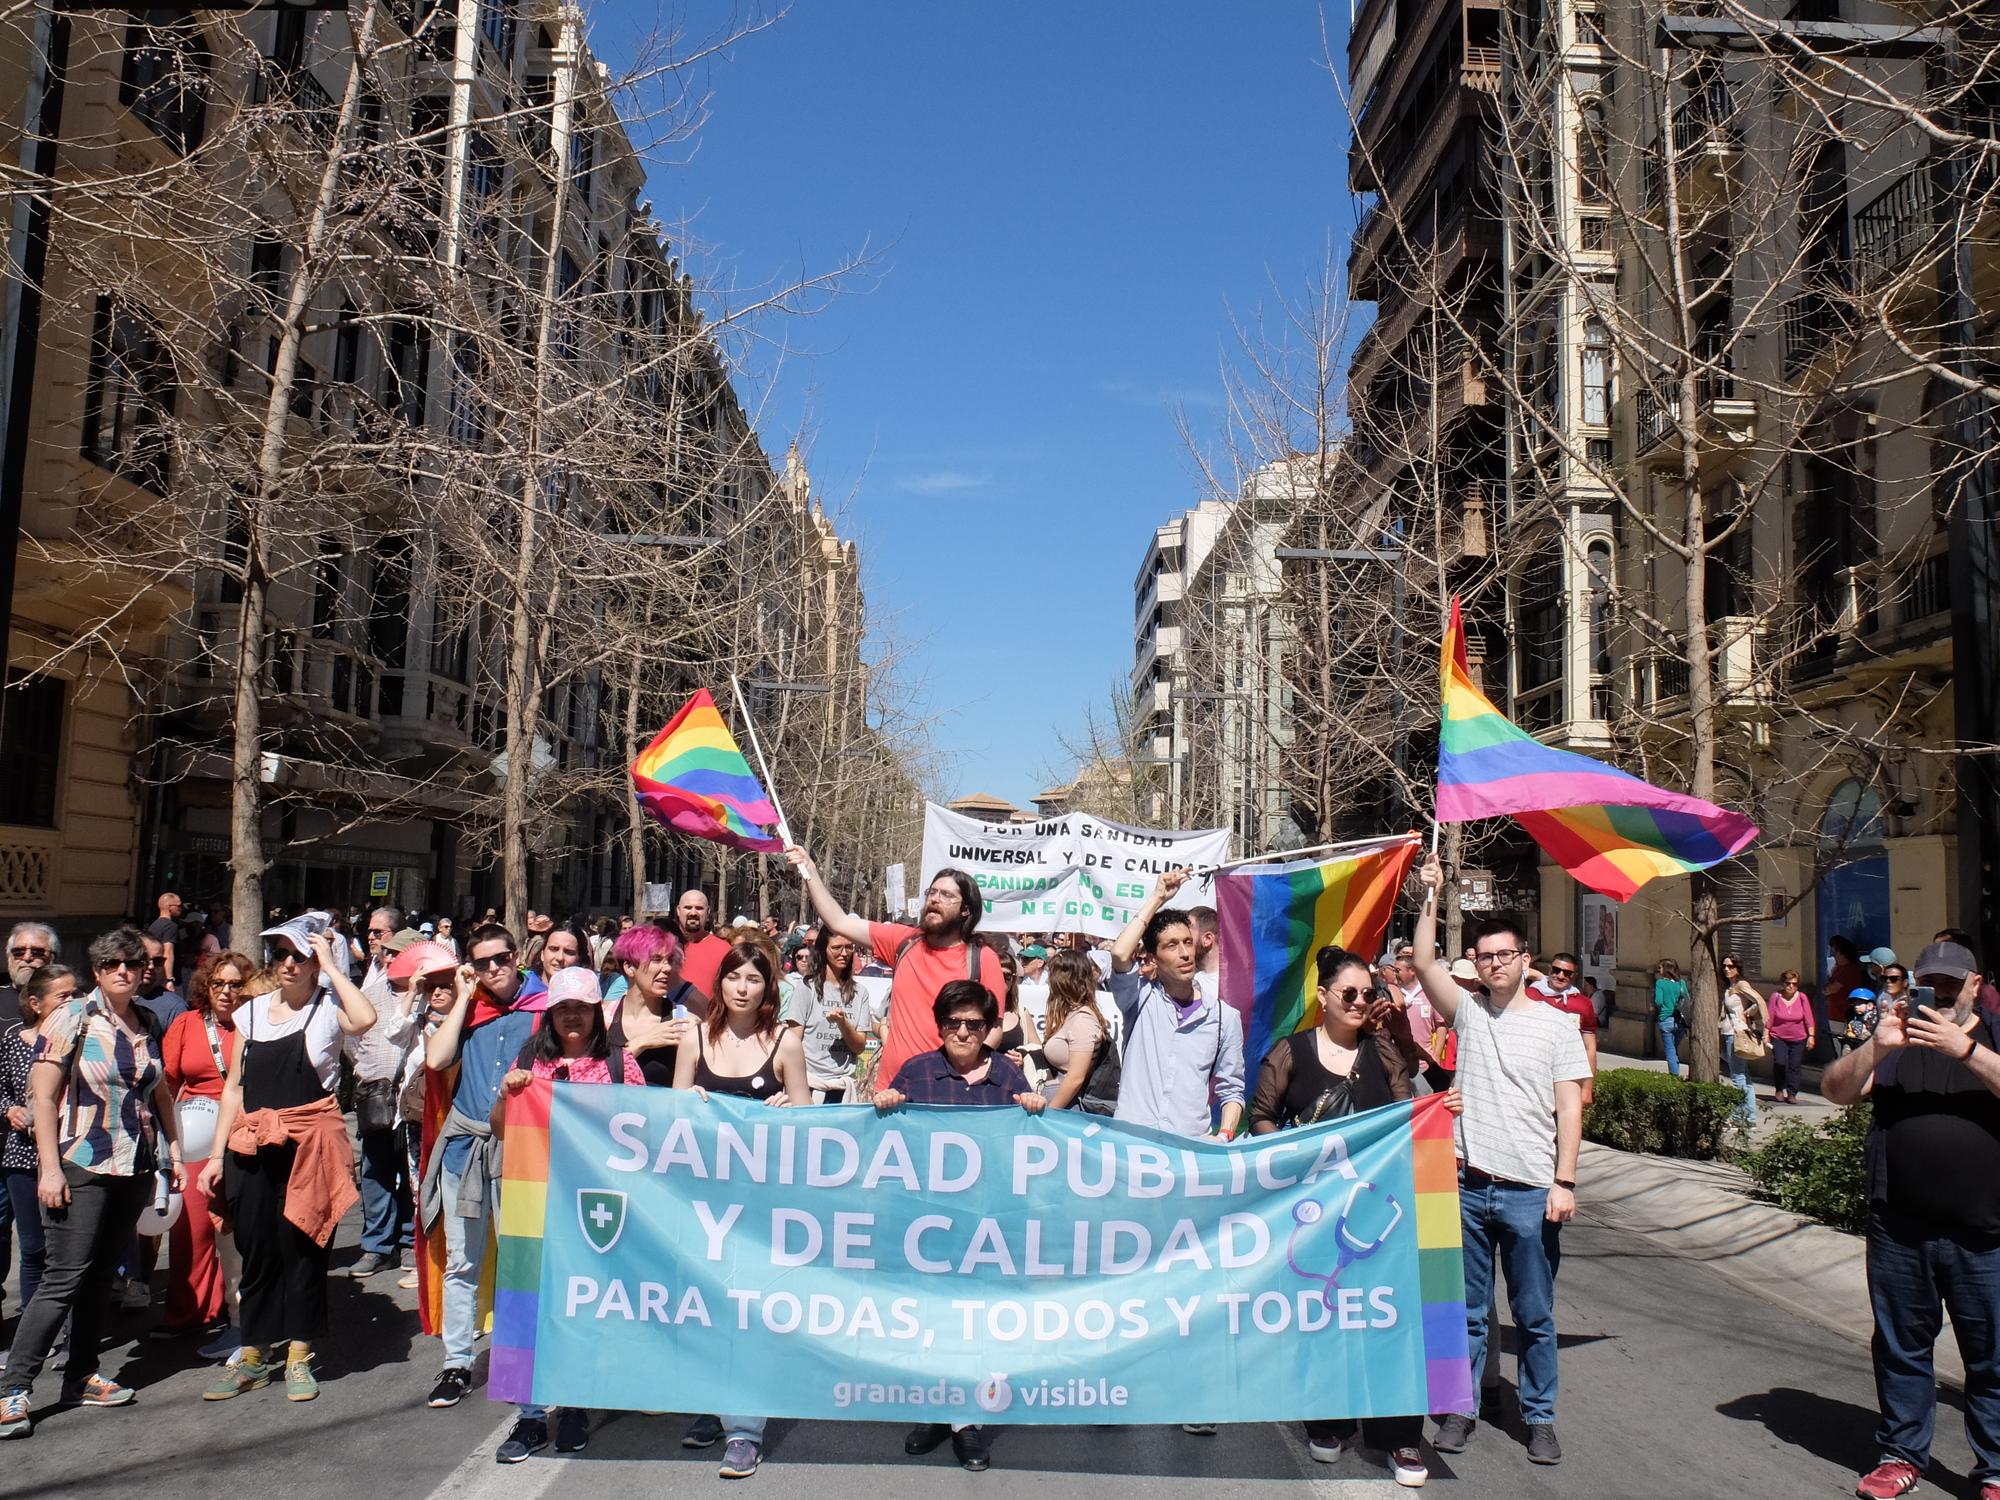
(601, 1212)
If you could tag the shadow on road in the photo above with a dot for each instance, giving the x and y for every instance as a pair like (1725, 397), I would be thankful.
(1837, 1431)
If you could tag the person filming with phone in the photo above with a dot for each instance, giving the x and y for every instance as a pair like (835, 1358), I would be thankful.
(1933, 1162)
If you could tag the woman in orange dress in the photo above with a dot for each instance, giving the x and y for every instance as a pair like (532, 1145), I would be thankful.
(201, 1264)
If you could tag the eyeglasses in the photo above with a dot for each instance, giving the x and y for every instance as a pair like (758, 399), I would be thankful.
(225, 984)
(1897, 978)
(962, 1024)
(494, 960)
(380, 932)
(291, 956)
(28, 952)
(1562, 973)
(1500, 956)
(136, 965)
(1355, 994)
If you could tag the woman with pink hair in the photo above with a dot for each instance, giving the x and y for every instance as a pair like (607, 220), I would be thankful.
(654, 1015)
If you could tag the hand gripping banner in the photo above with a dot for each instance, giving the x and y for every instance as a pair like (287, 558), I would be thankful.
(973, 1264)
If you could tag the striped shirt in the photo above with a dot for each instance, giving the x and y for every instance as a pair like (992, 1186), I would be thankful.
(1509, 1063)
(105, 1112)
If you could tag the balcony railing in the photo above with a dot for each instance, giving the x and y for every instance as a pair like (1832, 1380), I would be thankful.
(1928, 590)
(1812, 324)
(1893, 228)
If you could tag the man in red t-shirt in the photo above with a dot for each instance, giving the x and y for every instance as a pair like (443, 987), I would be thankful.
(702, 952)
(1558, 988)
(926, 957)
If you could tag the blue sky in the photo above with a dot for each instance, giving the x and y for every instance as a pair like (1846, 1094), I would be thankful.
(1064, 201)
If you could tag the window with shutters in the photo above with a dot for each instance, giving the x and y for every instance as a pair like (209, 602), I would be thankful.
(31, 733)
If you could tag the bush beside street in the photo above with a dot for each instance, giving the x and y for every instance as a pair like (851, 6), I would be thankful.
(1636, 1109)
(1818, 1171)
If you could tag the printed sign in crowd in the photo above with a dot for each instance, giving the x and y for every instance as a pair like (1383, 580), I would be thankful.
(1075, 873)
(955, 1265)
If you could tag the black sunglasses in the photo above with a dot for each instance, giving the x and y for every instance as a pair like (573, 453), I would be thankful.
(962, 1023)
(494, 960)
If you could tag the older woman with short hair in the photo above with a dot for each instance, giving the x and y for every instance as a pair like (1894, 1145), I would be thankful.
(104, 1129)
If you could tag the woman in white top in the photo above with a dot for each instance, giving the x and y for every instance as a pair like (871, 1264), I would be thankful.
(1742, 1018)
(281, 1149)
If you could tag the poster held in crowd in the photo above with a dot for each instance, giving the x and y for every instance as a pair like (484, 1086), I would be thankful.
(895, 896)
(973, 1264)
(1075, 873)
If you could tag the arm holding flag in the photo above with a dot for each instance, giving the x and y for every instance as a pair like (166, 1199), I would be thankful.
(854, 929)
(1439, 987)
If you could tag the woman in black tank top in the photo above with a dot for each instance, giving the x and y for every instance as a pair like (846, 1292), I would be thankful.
(642, 1019)
(1340, 1067)
(741, 1049)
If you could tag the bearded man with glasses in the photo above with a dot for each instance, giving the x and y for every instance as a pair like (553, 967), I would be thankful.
(1521, 1071)
(30, 946)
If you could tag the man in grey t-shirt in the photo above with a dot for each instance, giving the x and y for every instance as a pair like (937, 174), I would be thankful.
(1521, 1070)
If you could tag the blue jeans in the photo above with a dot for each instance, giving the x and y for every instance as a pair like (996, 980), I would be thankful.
(745, 1429)
(1507, 1222)
(1668, 1031)
(1914, 1275)
(27, 1219)
(464, 1254)
(1736, 1074)
(385, 1193)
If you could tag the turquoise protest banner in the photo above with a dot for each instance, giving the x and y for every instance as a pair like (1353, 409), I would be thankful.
(658, 1252)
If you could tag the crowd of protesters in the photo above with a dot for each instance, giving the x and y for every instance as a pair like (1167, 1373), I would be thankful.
(205, 1113)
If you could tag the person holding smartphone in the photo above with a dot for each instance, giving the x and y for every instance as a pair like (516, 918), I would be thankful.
(1932, 1074)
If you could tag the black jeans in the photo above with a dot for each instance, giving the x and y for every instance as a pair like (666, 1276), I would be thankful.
(283, 1289)
(1787, 1061)
(85, 1242)
(1384, 1434)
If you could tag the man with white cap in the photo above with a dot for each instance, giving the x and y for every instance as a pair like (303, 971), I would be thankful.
(1933, 1163)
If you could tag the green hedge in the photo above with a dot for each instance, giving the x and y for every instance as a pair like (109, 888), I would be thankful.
(1636, 1109)
(1819, 1171)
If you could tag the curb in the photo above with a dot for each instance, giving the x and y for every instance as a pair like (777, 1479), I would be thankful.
(1707, 1212)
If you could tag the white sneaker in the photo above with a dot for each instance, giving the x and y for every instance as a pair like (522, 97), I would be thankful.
(1407, 1464)
(1325, 1453)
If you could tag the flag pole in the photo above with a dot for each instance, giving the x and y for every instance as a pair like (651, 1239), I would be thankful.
(770, 786)
(1287, 855)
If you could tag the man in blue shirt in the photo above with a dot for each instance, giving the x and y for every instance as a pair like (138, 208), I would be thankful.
(480, 1039)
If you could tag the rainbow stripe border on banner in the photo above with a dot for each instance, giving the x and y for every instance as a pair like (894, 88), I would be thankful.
(517, 1286)
(1440, 1258)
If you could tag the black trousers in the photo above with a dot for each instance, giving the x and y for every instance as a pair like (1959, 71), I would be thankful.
(84, 1244)
(1386, 1434)
(284, 1273)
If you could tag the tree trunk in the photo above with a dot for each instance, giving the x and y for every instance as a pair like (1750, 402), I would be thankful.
(246, 782)
(635, 816)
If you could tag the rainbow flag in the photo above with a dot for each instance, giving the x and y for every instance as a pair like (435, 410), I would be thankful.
(1610, 830)
(694, 780)
(1272, 920)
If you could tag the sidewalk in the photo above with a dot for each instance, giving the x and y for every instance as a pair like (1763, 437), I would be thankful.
(1707, 1212)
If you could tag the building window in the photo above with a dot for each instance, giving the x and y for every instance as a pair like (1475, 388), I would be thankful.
(1593, 175)
(497, 24)
(129, 399)
(347, 346)
(1596, 357)
(31, 726)
(406, 373)
(1538, 616)
(468, 406)
(165, 79)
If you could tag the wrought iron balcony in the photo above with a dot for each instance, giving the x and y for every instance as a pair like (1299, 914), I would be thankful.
(1894, 227)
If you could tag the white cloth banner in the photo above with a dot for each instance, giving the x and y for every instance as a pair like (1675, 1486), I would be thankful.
(894, 896)
(1075, 873)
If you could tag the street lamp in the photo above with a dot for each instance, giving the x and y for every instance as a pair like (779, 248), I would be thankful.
(1975, 567)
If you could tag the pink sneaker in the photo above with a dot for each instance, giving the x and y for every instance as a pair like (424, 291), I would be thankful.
(1887, 1480)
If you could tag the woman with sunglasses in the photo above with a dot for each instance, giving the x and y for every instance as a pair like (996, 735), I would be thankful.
(742, 1049)
(1341, 1067)
(104, 1132)
(44, 992)
(282, 1154)
(1743, 1030)
(203, 1273)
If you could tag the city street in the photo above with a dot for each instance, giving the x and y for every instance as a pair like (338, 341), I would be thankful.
(1674, 1383)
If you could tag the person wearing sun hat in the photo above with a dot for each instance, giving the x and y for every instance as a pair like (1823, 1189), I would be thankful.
(422, 982)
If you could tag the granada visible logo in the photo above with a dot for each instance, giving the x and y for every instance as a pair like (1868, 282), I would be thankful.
(994, 1394)
(601, 1211)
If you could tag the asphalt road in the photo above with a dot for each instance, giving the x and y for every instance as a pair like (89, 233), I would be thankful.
(1674, 1384)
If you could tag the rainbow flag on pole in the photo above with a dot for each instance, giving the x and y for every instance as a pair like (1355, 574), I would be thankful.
(1273, 919)
(1610, 830)
(694, 780)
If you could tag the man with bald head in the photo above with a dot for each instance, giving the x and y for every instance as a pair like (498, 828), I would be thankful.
(702, 951)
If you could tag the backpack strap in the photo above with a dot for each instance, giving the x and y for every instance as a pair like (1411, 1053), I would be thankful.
(615, 1060)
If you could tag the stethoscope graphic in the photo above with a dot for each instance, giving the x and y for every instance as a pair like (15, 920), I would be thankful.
(1348, 1249)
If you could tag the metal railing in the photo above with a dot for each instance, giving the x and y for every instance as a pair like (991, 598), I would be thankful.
(1812, 323)
(1894, 226)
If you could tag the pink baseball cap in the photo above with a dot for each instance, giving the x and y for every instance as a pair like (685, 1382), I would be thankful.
(572, 984)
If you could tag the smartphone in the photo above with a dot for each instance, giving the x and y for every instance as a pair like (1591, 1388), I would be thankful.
(1923, 995)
